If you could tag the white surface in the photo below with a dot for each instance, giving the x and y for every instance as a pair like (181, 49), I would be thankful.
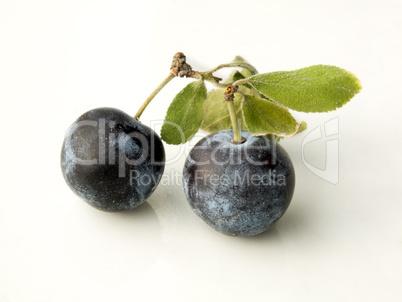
(59, 59)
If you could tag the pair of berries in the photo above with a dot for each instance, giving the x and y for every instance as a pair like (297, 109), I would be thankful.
(114, 163)
(239, 182)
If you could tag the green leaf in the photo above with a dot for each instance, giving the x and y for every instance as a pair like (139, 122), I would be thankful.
(318, 88)
(239, 59)
(242, 73)
(302, 127)
(234, 76)
(215, 112)
(184, 115)
(248, 69)
(265, 117)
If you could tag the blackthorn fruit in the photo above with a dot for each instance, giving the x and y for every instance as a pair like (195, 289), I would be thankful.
(238, 189)
(111, 160)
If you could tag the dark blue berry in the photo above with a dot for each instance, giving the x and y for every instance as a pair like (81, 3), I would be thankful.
(111, 160)
(238, 189)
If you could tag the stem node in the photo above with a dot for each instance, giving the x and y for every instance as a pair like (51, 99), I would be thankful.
(230, 91)
(179, 66)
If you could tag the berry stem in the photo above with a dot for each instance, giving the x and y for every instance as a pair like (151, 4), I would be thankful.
(153, 94)
(229, 97)
(237, 138)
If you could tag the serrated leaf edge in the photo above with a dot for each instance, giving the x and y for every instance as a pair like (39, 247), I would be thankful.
(343, 102)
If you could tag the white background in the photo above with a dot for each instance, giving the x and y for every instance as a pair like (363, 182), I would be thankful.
(59, 59)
